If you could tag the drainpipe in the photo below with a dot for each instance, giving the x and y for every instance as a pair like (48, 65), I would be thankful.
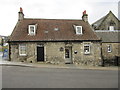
(103, 63)
(9, 51)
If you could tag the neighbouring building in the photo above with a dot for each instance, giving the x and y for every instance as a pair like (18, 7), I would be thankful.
(0, 43)
(3, 42)
(108, 29)
(119, 10)
(0, 40)
(3, 39)
(109, 22)
(56, 41)
(110, 44)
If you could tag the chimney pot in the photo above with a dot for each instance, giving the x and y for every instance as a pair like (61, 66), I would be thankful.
(84, 12)
(21, 10)
(85, 16)
(20, 14)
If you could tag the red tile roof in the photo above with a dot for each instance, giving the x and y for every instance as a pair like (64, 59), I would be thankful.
(45, 30)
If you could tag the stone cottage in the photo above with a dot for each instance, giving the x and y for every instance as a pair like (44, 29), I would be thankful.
(108, 29)
(56, 41)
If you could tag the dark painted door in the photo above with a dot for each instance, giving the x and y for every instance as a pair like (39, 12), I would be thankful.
(40, 54)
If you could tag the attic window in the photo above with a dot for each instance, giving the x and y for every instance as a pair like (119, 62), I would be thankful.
(111, 25)
(32, 30)
(56, 29)
(78, 30)
(111, 28)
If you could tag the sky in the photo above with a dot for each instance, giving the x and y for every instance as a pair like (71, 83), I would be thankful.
(53, 9)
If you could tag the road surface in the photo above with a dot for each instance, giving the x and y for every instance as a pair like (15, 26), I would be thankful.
(29, 77)
(0, 71)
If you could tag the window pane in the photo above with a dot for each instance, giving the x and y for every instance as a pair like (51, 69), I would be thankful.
(78, 29)
(66, 53)
(109, 48)
(32, 28)
(87, 49)
(31, 31)
(111, 27)
(22, 50)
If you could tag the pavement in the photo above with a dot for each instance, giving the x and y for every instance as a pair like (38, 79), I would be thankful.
(4, 62)
(67, 66)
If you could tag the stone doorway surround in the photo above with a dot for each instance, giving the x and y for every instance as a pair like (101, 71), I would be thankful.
(68, 55)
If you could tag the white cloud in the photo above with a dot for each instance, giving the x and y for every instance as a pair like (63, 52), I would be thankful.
(68, 9)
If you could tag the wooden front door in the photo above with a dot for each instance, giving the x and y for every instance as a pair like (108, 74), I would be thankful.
(40, 53)
(68, 55)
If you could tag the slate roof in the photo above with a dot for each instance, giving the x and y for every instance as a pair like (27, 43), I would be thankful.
(45, 30)
(99, 22)
(108, 36)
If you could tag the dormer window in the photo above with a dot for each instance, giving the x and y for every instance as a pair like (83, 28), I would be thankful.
(78, 30)
(56, 29)
(32, 30)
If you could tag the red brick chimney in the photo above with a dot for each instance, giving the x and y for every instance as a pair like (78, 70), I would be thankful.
(20, 14)
(85, 16)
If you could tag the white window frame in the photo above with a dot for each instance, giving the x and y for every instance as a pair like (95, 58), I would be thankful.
(89, 49)
(111, 28)
(109, 48)
(20, 51)
(76, 28)
(29, 30)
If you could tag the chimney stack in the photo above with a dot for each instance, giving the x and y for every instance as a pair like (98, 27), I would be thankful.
(85, 16)
(20, 14)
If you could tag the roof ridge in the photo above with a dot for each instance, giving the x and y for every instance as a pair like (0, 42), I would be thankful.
(51, 19)
(100, 19)
(106, 31)
(114, 15)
